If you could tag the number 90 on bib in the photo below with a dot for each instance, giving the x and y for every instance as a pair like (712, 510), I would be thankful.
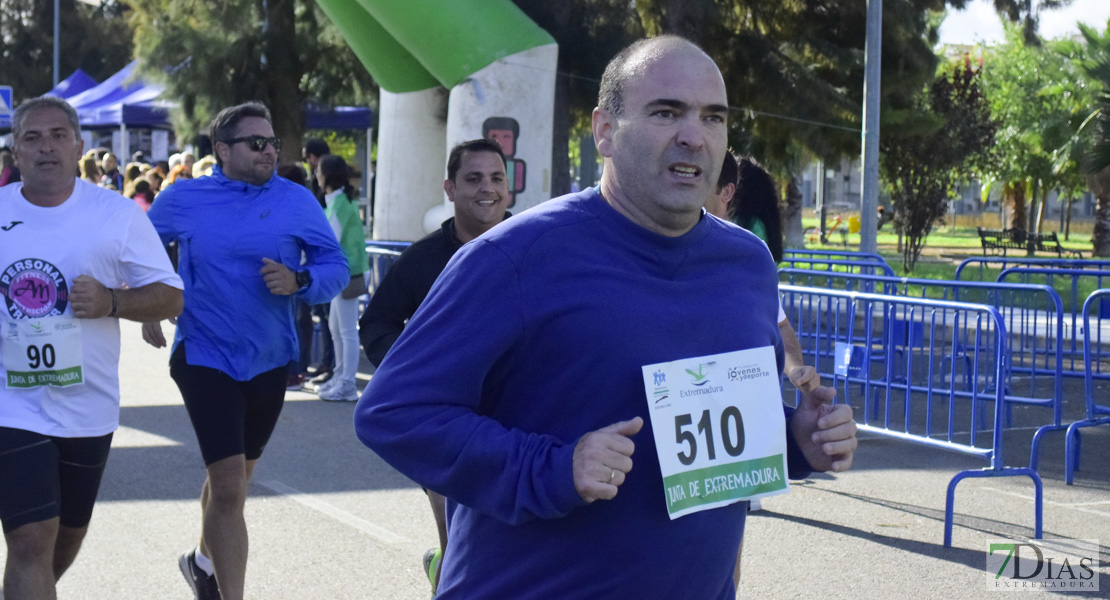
(719, 429)
(42, 352)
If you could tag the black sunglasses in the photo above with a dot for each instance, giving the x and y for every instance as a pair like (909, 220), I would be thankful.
(257, 142)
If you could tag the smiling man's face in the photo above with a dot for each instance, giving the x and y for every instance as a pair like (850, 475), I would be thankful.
(480, 193)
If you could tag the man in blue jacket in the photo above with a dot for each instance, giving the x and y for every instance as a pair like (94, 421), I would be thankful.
(597, 327)
(240, 234)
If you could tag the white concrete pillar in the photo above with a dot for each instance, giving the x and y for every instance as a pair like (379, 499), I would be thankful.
(512, 100)
(411, 159)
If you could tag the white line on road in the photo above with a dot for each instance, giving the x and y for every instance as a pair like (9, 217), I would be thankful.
(342, 516)
(129, 437)
(1079, 506)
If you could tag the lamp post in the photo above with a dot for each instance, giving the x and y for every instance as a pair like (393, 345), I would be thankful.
(56, 43)
(869, 196)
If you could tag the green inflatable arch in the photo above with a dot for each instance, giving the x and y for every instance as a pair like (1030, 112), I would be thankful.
(419, 44)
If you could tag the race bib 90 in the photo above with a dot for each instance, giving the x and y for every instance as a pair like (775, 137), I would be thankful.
(41, 352)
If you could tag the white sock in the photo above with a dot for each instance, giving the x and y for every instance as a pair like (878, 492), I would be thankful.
(203, 562)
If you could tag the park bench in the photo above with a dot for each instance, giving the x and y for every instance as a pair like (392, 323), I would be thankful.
(998, 241)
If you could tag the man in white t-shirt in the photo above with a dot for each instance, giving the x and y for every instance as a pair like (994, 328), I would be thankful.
(74, 258)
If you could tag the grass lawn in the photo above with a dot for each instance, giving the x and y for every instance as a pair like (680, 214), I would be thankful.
(945, 248)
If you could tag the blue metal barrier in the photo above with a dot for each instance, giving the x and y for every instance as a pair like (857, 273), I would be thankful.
(1094, 365)
(382, 255)
(832, 254)
(1034, 319)
(1033, 315)
(1068, 283)
(922, 396)
(867, 267)
(976, 267)
(397, 245)
(381, 259)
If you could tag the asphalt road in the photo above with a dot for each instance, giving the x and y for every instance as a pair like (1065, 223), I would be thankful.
(328, 519)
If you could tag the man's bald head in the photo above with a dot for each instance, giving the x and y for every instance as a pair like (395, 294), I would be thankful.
(629, 62)
(662, 128)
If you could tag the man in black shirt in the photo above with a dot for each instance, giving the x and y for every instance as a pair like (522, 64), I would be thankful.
(479, 189)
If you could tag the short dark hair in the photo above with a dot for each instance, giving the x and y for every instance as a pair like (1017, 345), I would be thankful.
(610, 98)
(454, 160)
(316, 147)
(729, 172)
(27, 106)
(224, 125)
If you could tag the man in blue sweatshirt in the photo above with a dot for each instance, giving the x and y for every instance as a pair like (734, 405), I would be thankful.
(593, 329)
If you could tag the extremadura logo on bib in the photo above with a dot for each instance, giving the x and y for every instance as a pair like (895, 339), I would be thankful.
(719, 429)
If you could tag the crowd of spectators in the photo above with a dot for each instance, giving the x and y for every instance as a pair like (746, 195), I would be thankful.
(139, 179)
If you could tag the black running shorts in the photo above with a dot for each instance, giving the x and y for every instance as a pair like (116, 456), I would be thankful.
(42, 477)
(229, 417)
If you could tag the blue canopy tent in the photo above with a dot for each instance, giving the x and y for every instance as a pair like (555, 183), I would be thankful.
(124, 100)
(145, 113)
(76, 83)
(110, 91)
(134, 104)
(339, 117)
(142, 108)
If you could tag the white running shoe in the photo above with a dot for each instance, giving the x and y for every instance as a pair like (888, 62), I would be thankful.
(339, 393)
(324, 388)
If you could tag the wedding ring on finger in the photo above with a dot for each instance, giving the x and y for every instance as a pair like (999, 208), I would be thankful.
(612, 474)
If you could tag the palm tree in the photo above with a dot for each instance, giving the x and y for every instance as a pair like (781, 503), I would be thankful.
(1096, 65)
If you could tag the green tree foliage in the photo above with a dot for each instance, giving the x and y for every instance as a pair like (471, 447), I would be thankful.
(212, 55)
(794, 72)
(589, 33)
(1079, 90)
(94, 38)
(1040, 99)
(1092, 55)
(952, 133)
(1025, 14)
(797, 66)
(794, 69)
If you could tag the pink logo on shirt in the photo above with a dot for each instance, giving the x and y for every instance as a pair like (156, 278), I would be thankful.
(33, 288)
